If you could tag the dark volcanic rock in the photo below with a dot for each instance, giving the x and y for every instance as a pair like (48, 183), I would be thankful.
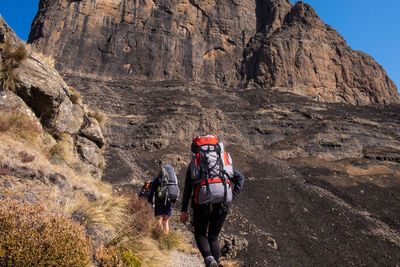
(319, 177)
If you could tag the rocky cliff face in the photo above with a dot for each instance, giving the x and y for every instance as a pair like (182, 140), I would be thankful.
(271, 42)
(151, 40)
(310, 58)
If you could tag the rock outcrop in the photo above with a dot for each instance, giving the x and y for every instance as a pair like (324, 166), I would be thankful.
(43, 95)
(272, 43)
(307, 57)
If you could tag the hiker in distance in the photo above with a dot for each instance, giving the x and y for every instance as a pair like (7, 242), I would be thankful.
(145, 191)
(164, 192)
(208, 186)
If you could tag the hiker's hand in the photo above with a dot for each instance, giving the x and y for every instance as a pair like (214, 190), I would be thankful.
(184, 217)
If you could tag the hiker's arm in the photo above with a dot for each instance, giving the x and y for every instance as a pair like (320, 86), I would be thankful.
(187, 191)
(153, 188)
(238, 180)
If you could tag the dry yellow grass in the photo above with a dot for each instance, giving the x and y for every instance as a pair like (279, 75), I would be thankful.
(75, 95)
(230, 263)
(63, 151)
(19, 125)
(48, 60)
(100, 116)
(127, 219)
(371, 170)
(12, 58)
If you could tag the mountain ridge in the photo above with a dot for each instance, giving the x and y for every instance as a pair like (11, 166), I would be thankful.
(222, 42)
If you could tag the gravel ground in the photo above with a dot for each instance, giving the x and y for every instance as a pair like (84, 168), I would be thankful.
(184, 260)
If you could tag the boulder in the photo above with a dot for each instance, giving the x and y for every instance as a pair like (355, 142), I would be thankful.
(44, 90)
(92, 131)
(90, 153)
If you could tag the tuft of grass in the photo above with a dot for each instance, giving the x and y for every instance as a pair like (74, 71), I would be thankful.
(32, 236)
(100, 116)
(111, 212)
(103, 162)
(11, 60)
(75, 95)
(173, 241)
(19, 125)
(7, 77)
(18, 55)
(49, 60)
(108, 256)
(111, 257)
(130, 259)
(63, 151)
(15, 56)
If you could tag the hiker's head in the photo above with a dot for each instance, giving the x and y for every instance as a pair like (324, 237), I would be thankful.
(209, 139)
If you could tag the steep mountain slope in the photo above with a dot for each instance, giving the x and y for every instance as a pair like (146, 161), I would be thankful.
(322, 179)
(319, 177)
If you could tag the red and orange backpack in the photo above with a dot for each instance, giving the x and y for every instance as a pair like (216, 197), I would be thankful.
(211, 169)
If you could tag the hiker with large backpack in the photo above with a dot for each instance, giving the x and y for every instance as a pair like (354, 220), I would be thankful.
(163, 194)
(208, 185)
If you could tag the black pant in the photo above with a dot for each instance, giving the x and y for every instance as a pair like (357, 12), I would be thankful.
(204, 217)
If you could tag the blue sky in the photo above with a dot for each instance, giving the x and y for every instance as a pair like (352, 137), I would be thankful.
(367, 25)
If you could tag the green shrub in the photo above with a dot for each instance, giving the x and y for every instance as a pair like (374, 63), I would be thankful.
(33, 236)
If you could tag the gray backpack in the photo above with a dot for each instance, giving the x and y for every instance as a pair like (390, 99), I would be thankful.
(169, 190)
(211, 168)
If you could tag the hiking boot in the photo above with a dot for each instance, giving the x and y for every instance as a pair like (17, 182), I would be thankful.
(210, 262)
